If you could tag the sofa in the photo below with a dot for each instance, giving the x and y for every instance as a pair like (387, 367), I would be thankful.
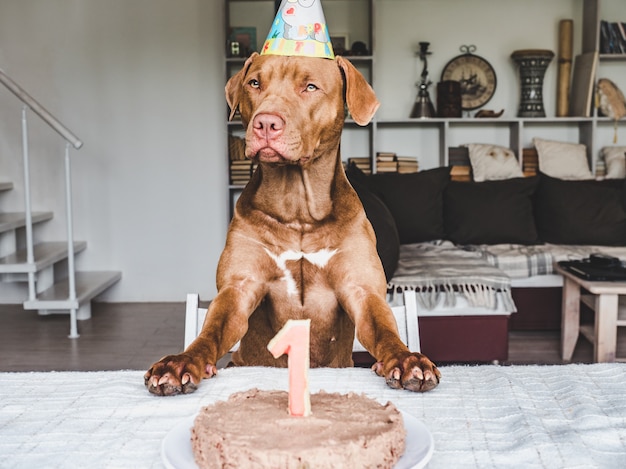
(480, 256)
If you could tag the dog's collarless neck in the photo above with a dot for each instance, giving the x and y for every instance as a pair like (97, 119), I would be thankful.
(297, 193)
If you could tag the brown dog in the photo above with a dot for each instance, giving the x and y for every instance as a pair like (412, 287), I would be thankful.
(299, 245)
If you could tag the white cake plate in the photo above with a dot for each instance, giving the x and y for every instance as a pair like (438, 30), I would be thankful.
(177, 454)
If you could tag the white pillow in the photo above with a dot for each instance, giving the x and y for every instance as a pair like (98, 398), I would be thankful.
(562, 160)
(491, 162)
(615, 162)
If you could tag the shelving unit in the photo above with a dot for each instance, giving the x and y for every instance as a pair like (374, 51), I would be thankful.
(516, 128)
(514, 132)
(593, 12)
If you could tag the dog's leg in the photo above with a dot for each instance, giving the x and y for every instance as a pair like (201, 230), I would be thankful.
(377, 331)
(225, 324)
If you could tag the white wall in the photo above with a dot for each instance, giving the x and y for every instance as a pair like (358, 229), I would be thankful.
(141, 82)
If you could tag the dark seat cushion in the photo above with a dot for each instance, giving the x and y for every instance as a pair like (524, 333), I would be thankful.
(387, 241)
(581, 212)
(415, 201)
(491, 212)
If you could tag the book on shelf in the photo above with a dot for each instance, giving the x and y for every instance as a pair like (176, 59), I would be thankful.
(362, 162)
(458, 156)
(600, 169)
(620, 36)
(240, 171)
(612, 37)
(581, 92)
(407, 164)
(240, 164)
(386, 166)
(530, 162)
(236, 148)
(461, 173)
(385, 156)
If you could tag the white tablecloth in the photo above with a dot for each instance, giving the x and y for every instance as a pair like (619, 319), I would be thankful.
(570, 416)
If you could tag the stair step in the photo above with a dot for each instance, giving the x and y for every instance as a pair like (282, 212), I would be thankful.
(45, 255)
(6, 186)
(88, 285)
(12, 220)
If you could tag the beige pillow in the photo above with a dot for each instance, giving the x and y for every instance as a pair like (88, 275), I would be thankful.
(492, 162)
(562, 160)
(615, 162)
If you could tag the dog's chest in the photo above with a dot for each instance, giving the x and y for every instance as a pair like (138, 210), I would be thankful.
(297, 270)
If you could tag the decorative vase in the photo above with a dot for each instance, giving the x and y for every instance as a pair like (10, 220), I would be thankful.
(532, 65)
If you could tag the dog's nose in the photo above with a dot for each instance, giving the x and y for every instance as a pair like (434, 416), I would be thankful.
(268, 126)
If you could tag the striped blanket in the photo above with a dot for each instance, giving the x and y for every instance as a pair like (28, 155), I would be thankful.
(520, 261)
(441, 269)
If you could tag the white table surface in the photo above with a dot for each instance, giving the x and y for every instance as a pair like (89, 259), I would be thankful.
(570, 416)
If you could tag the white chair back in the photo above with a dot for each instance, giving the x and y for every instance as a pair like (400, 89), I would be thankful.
(406, 318)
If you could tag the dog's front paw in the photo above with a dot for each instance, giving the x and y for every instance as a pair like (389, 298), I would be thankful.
(410, 371)
(176, 374)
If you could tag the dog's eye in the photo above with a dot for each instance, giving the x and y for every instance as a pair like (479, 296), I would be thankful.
(311, 87)
(254, 83)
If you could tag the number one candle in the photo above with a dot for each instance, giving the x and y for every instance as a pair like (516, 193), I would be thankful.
(293, 339)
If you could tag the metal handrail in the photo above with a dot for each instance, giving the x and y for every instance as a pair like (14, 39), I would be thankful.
(42, 112)
(30, 103)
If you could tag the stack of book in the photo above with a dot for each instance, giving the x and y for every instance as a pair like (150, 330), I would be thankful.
(459, 162)
(236, 148)
(530, 162)
(363, 163)
(600, 169)
(240, 167)
(461, 173)
(386, 162)
(612, 37)
(240, 172)
(407, 164)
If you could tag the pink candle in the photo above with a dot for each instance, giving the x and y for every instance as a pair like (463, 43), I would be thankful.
(293, 339)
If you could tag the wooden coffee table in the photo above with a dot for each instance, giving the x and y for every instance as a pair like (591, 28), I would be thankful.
(603, 299)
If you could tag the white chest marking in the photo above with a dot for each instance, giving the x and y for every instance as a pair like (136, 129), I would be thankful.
(319, 259)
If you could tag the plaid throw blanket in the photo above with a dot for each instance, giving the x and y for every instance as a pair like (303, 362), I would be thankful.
(520, 261)
(440, 269)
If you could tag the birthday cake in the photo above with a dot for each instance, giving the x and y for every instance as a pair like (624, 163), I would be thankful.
(254, 429)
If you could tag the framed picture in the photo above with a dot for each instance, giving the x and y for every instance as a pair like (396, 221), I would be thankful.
(245, 38)
(340, 43)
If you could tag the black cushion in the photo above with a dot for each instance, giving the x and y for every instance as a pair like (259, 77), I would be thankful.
(491, 212)
(387, 241)
(415, 201)
(581, 212)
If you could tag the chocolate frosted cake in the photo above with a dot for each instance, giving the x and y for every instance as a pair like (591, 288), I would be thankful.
(254, 429)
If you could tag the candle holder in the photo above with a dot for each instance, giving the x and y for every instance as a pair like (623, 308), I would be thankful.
(532, 65)
(423, 107)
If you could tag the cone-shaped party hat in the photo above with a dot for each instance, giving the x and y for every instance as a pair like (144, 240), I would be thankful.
(299, 29)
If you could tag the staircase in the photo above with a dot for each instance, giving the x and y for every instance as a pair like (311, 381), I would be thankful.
(46, 267)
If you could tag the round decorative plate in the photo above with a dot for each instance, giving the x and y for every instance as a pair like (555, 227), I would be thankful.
(476, 75)
(176, 450)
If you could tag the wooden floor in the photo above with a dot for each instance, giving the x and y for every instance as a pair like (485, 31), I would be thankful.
(134, 335)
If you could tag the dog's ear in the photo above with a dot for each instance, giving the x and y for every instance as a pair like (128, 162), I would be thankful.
(360, 97)
(234, 86)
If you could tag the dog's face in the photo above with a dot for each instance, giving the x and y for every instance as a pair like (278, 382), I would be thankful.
(292, 107)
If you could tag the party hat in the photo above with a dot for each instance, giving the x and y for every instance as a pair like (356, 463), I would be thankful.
(299, 29)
